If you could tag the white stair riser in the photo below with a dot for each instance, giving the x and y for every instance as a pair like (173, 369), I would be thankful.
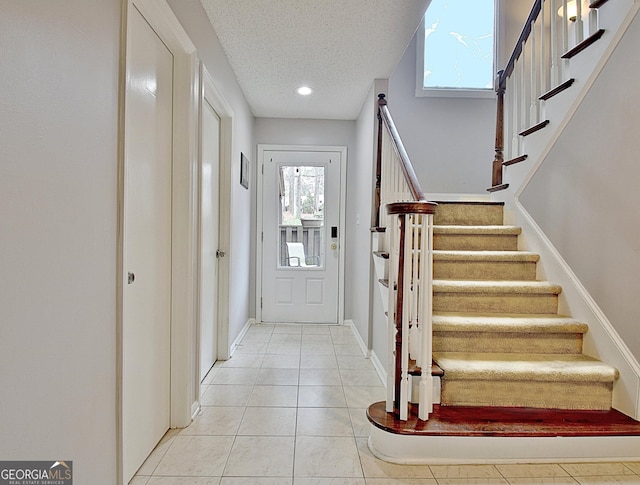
(469, 214)
(508, 342)
(495, 303)
(552, 395)
(485, 270)
(480, 242)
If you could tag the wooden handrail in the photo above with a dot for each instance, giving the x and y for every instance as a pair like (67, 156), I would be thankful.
(500, 87)
(534, 73)
(517, 50)
(537, 70)
(407, 169)
(417, 207)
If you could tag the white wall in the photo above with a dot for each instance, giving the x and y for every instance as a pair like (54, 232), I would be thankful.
(194, 19)
(58, 161)
(290, 131)
(284, 131)
(584, 194)
(513, 14)
(450, 141)
(58, 181)
(361, 218)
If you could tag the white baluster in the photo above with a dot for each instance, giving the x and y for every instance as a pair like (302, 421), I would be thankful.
(406, 312)
(555, 52)
(565, 28)
(393, 231)
(543, 65)
(593, 21)
(414, 349)
(515, 111)
(579, 24)
(533, 78)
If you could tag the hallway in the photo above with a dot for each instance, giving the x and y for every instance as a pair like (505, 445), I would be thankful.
(289, 408)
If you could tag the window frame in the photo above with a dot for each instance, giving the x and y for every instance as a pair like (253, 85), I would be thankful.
(477, 93)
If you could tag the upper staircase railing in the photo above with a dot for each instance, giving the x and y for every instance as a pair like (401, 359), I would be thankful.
(407, 216)
(554, 32)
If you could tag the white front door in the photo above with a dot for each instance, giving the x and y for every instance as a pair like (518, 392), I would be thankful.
(146, 301)
(301, 212)
(209, 223)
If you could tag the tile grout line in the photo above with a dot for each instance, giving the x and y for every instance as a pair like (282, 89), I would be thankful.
(295, 429)
(629, 472)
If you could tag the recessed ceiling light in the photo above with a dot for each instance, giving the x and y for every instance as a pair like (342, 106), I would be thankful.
(304, 90)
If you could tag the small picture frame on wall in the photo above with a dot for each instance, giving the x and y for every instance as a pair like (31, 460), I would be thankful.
(244, 171)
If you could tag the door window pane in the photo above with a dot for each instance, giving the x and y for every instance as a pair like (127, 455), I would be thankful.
(302, 229)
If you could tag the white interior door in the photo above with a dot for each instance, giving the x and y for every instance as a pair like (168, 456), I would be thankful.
(147, 243)
(300, 236)
(209, 220)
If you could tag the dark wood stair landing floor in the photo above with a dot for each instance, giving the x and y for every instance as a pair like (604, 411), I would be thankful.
(505, 422)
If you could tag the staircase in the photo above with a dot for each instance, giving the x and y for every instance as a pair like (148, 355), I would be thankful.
(513, 377)
(498, 339)
(509, 376)
(498, 336)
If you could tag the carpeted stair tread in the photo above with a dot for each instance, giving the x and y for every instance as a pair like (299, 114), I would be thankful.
(493, 256)
(496, 287)
(524, 367)
(506, 323)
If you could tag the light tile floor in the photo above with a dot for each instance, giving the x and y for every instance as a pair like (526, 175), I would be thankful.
(289, 408)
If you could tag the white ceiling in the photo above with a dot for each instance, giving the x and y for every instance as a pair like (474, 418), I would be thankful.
(337, 47)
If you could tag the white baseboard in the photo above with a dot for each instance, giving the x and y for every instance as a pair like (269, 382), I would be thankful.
(241, 335)
(195, 410)
(358, 337)
(380, 369)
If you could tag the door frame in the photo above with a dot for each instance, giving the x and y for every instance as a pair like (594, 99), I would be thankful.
(183, 213)
(209, 92)
(343, 210)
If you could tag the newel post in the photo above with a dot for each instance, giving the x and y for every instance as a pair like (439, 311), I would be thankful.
(399, 314)
(496, 172)
(409, 282)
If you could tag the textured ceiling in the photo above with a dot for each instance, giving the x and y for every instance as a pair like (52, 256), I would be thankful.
(337, 47)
